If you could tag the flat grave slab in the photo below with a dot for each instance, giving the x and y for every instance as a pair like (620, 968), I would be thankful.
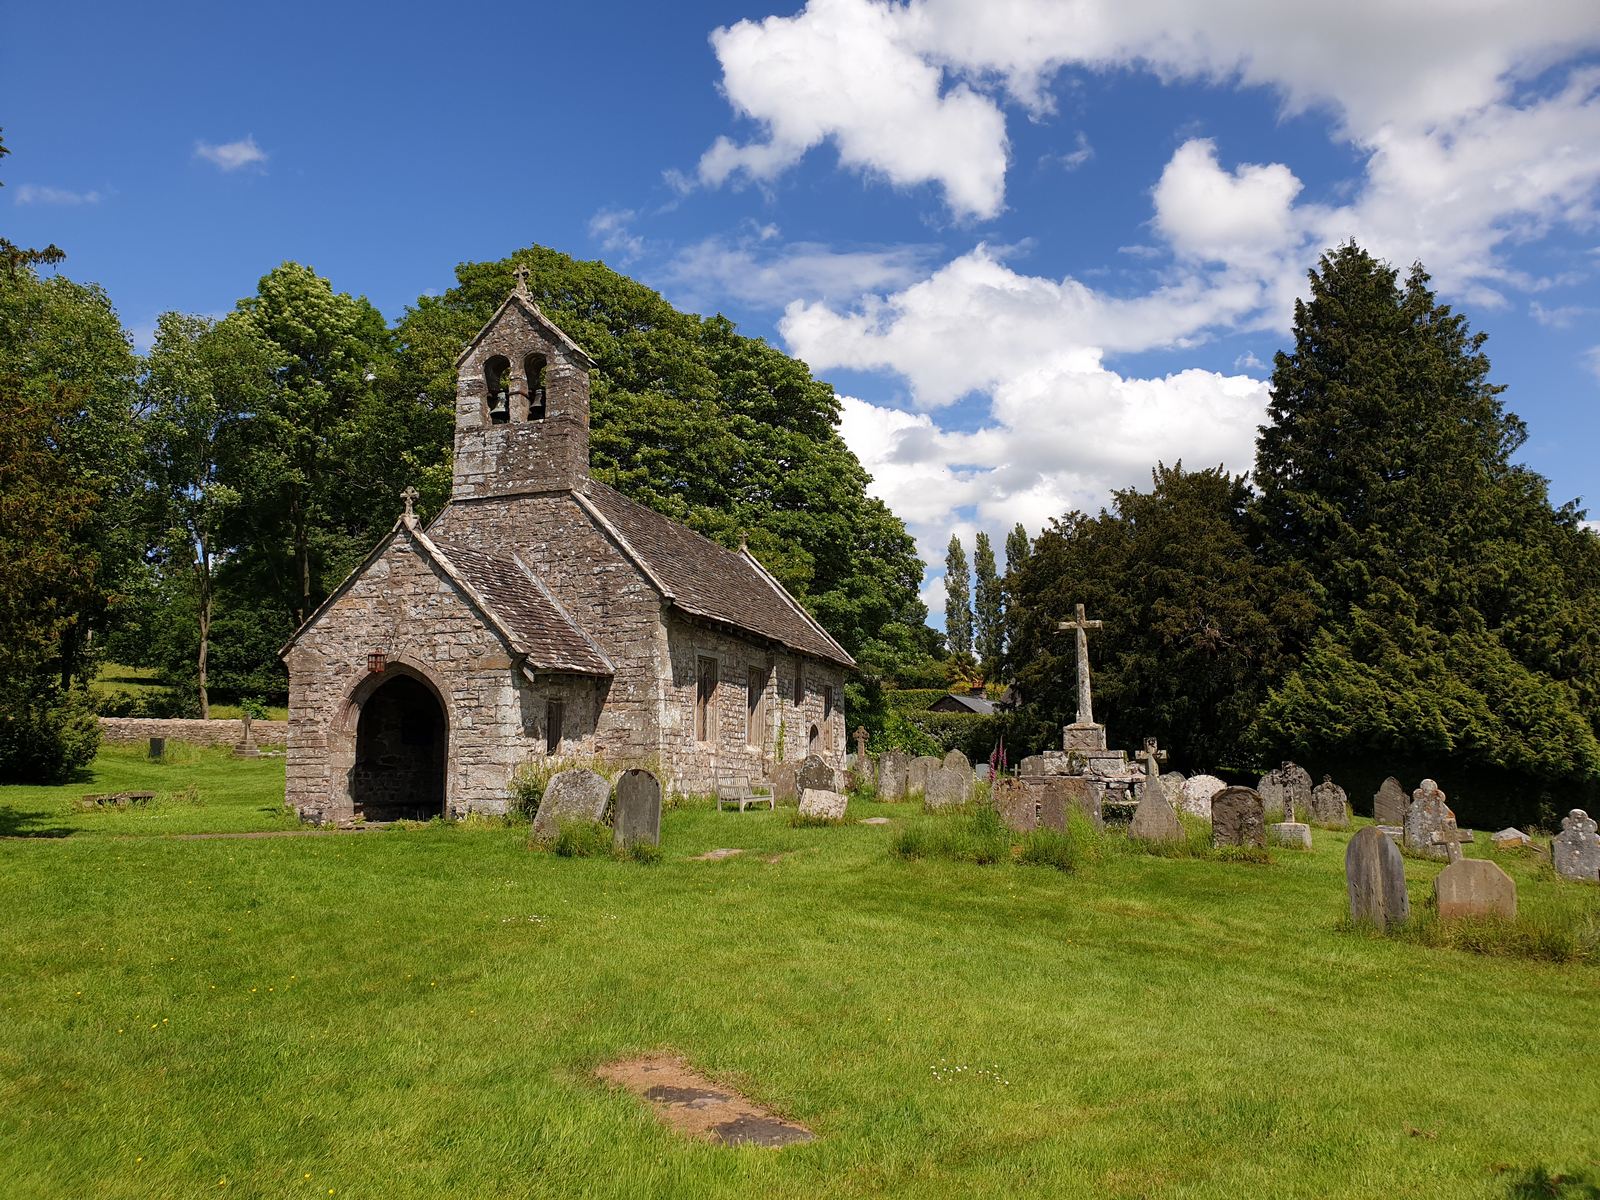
(689, 1103)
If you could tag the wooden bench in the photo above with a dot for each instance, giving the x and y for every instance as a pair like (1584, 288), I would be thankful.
(740, 792)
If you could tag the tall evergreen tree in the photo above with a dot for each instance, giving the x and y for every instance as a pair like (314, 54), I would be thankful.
(957, 599)
(1017, 547)
(989, 608)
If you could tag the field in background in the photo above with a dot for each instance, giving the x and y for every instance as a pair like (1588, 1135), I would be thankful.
(417, 1012)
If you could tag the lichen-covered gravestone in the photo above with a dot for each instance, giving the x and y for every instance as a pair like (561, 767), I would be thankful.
(826, 805)
(816, 774)
(919, 773)
(956, 760)
(575, 795)
(1155, 820)
(1329, 805)
(1018, 805)
(948, 786)
(638, 812)
(1474, 887)
(1290, 833)
(1060, 794)
(1284, 791)
(1428, 815)
(892, 766)
(785, 788)
(1389, 804)
(1575, 852)
(1375, 876)
(1198, 792)
(1238, 818)
(1172, 784)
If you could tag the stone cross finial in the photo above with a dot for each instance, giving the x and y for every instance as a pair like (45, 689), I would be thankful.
(521, 274)
(861, 745)
(1085, 699)
(409, 496)
(1152, 756)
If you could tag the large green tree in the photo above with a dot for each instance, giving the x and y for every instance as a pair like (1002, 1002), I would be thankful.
(700, 422)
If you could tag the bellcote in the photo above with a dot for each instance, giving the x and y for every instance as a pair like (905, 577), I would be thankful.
(522, 405)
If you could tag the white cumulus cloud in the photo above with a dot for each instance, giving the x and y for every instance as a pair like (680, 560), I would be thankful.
(37, 193)
(231, 156)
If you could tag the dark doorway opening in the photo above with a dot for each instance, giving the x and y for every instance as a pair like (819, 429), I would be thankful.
(401, 745)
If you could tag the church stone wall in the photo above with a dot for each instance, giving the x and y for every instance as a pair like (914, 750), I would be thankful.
(403, 606)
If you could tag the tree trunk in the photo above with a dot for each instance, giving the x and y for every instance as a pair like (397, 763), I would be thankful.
(203, 571)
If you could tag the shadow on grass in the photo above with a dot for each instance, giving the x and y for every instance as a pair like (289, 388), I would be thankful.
(18, 824)
(1537, 1183)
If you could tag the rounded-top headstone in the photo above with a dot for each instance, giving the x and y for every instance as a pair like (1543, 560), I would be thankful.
(1198, 791)
(575, 794)
(638, 812)
(1238, 818)
(957, 761)
(1375, 877)
(1389, 803)
(1329, 804)
(1575, 852)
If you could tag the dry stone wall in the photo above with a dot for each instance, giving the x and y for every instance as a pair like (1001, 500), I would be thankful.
(198, 733)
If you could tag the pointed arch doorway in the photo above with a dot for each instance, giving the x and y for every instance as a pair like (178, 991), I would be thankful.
(402, 746)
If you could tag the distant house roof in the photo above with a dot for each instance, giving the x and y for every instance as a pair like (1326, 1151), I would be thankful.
(957, 703)
(538, 626)
(707, 580)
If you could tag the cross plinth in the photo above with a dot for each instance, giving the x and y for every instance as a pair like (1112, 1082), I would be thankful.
(1450, 839)
(1081, 627)
(409, 498)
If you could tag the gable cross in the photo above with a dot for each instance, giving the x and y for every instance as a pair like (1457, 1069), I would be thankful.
(521, 274)
(1082, 627)
(409, 496)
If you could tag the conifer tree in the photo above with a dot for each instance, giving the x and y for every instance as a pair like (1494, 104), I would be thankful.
(990, 612)
(958, 599)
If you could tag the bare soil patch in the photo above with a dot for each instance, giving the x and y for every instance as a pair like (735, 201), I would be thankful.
(715, 855)
(694, 1106)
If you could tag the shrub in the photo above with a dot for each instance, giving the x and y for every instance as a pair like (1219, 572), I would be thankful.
(47, 735)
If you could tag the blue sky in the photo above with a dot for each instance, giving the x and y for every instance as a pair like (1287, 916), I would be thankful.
(1036, 245)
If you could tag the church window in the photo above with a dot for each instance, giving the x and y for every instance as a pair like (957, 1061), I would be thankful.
(497, 389)
(827, 703)
(814, 742)
(705, 701)
(756, 707)
(533, 367)
(799, 684)
(554, 711)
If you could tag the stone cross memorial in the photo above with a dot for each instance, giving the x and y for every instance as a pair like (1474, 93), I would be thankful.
(1375, 876)
(1153, 757)
(1080, 626)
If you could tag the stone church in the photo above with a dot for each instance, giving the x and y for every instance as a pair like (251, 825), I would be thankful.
(542, 613)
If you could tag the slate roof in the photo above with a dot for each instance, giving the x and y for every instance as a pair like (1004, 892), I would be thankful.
(954, 702)
(539, 628)
(709, 581)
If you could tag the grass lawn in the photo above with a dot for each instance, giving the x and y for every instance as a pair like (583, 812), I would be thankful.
(418, 1013)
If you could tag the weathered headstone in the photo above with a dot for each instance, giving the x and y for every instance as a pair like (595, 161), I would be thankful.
(1285, 791)
(892, 766)
(1427, 815)
(817, 802)
(1474, 887)
(1238, 818)
(919, 773)
(947, 786)
(1329, 804)
(576, 794)
(1033, 764)
(1172, 783)
(1575, 852)
(1511, 838)
(1375, 876)
(1059, 794)
(785, 788)
(863, 759)
(1018, 805)
(1290, 833)
(982, 772)
(1155, 820)
(1389, 803)
(158, 747)
(814, 773)
(638, 813)
(957, 760)
(1198, 791)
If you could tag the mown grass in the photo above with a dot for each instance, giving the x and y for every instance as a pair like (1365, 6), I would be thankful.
(416, 1012)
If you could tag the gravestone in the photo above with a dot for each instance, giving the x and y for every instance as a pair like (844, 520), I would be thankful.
(247, 747)
(1238, 818)
(1575, 852)
(1474, 887)
(1375, 876)
(638, 813)
(158, 747)
(1329, 805)
(1290, 833)
(1198, 791)
(892, 766)
(1172, 784)
(948, 786)
(1389, 803)
(957, 760)
(1033, 764)
(1155, 820)
(785, 788)
(576, 794)
(1058, 794)
(982, 772)
(819, 802)
(816, 774)
(1426, 816)
(863, 759)
(919, 773)
(1285, 790)
(1511, 838)
(1018, 805)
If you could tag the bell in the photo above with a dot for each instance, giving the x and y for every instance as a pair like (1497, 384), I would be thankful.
(500, 408)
